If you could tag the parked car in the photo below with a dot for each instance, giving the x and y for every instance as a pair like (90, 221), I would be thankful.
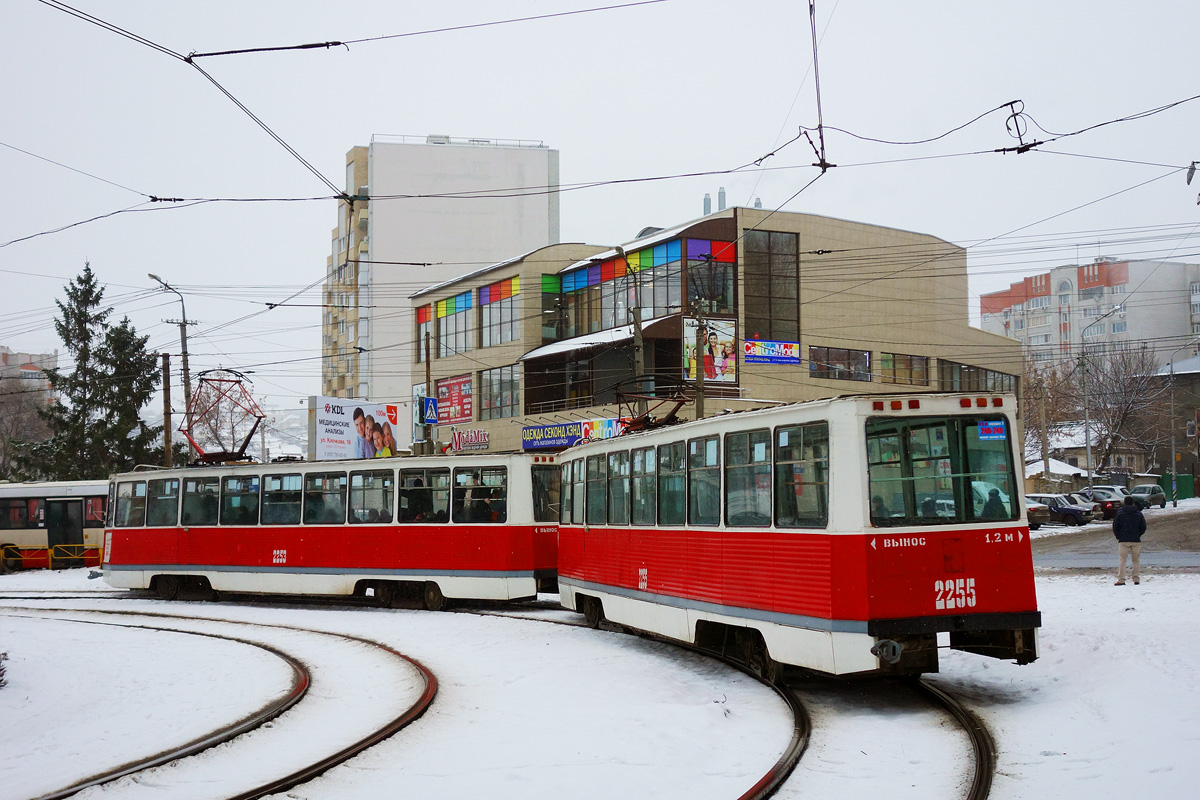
(1063, 510)
(1152, 493)
(1083, 500)
(1037, 513)
(1109, 501)
(1122, 493)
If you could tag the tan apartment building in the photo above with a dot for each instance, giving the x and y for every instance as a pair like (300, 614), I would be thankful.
(771, 306)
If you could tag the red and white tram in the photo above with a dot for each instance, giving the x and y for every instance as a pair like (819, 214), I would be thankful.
(427, 529)
(839, 535)
(51, 523)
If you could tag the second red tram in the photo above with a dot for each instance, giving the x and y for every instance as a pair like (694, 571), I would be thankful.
(839, 535)
(430, 528)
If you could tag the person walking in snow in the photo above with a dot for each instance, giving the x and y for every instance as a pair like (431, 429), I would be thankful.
(1128, 527)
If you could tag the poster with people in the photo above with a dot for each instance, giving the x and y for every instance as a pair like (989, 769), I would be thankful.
(719, 350)
(349, 428)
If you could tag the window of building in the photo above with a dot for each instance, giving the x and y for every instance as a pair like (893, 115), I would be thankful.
(1040, 302)
(1118, 327)
(908, 370)
(839, 364)
(1041, 319)
(709, 276)
(1039, 338)
(1019, 325)
(1118, 289)
(748, 479)
(500, 392)
(1195, 287)
(955, 377)
(1095, 329)
(454, 328)
(771, 285)
(1196, 327)
(802, 476)
(498, 312)
(1196, 308)
(553, 316)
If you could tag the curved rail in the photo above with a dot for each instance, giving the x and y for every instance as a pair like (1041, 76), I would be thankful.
(410, 715)
(301, 681)
(981, 739)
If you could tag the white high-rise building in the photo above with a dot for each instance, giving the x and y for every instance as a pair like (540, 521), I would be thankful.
(423, 210)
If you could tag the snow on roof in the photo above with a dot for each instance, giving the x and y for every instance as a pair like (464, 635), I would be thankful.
(1056, 468)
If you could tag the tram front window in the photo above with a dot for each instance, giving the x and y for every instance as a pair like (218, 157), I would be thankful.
(940, 470)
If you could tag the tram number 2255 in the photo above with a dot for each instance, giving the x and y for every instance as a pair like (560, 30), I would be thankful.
(953, 593)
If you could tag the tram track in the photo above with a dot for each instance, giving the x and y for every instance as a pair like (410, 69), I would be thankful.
(259, 719)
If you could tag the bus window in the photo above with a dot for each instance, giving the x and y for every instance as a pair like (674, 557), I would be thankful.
(596, 480)
(131, 504)
(325, 498)
(93, 512)
(748, 479)
(480, 494)
(14, 514)
(162, 502)
(671, 495)
(618, 488)
(200, 500)
(424, 495)
(802, 476)
(281, 499)
(371, 496)
(547, 484)
(643, 488)
(239, 500)
(704, 482)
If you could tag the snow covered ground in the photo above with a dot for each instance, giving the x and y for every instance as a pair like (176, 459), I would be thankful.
(1111, 708)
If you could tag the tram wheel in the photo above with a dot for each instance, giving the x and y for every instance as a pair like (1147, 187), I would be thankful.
(762, 664)
(433, 597)
(384, 594)
(593, 612)
(167, 587)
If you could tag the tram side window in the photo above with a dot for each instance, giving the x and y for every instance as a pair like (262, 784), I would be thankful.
(371, 496)
(644, 493)
(547, 488)
(281, 499)
(802, 476)
(325, 498)
(704, 481)
(748, 479)
(131, 504)
(162, 502)
(480, 494)
(596, 480)
(940, 470)
(568, 494)
(618, 488)
(94, 509)
(200, 500)
(578, 496)
(424, 495)
(239, 500)
(671, 494)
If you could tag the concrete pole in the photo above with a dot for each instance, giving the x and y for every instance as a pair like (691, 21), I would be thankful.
(698, 361)
(168, 455)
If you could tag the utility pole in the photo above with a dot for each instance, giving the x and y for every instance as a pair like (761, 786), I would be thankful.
(1045, 439)
(168, 455)
(698, 361)
(431, 435)
(182, 323)
(1087, 419)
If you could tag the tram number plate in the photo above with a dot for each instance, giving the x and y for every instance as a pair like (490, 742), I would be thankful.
(953, 593)
(279, 556)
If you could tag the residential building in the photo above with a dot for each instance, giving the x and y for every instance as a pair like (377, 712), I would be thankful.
(784, 306)
(422, 209)
(24, 372)
(1093, 307)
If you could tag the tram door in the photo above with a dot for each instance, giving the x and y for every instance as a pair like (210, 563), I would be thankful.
(64, 526)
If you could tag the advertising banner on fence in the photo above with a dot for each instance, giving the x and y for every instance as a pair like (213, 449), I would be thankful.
(540, 436)
(454, 400)
(349, 428)
(756, 352)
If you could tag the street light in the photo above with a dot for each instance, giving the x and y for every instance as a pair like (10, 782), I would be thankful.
(1171, 425)
(183, 323)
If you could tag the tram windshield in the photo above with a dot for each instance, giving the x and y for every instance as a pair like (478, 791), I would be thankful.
(940, 470)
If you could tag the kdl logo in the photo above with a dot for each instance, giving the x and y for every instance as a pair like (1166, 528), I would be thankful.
(332, 409)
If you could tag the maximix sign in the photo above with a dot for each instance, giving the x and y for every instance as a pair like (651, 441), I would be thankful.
(348, 428)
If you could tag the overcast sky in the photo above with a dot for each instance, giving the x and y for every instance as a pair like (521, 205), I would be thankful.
(660, 89)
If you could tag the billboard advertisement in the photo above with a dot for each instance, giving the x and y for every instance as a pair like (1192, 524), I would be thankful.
(760, 352)
(719, 351)
(349, 428)
(454, 400)
(535, 437)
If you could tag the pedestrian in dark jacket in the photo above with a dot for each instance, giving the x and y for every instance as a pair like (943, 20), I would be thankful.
(1128, 527)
